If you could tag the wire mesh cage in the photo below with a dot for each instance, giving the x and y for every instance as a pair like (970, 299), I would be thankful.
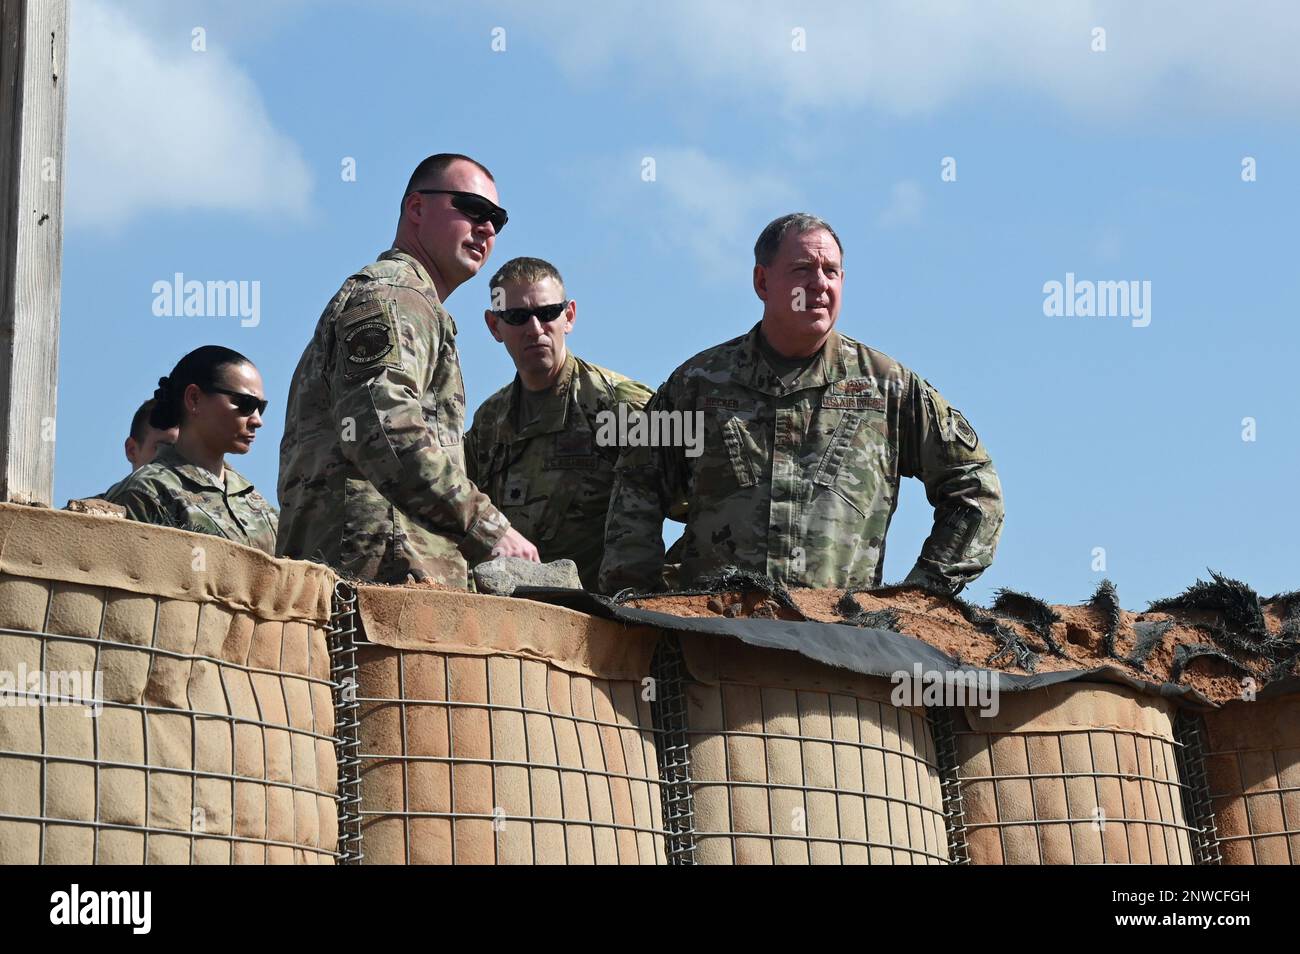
(1078, 773)
(1198, 803)
(794, 762)
(156, 727)
(672, 741)
(1252, 761)
(347, 722)
(503, 732)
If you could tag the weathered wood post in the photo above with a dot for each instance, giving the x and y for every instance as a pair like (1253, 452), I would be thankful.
(32, 107)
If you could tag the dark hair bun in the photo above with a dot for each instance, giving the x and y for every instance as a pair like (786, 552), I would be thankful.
(199, 367)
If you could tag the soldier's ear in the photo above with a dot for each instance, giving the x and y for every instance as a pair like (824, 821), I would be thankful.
(491, 319)
(131, 448)
(760, 282)
(191, 398)
(413, 205)
(570, 316)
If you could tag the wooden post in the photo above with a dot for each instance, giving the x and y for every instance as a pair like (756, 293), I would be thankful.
(32, 107)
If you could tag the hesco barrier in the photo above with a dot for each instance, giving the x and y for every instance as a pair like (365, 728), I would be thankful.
(1076, 773)
(794, 762)
(477, 729)
(1252, 759)
(214, 740)
(500, 731)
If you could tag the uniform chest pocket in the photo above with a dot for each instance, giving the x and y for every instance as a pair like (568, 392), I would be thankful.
(838, 448)
(548, 497)
(192, 513)
(857, 462)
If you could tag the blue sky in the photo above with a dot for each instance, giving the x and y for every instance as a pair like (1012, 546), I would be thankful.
(1123, 164)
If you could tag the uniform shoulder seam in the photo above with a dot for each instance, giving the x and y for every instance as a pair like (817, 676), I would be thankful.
(710, 352)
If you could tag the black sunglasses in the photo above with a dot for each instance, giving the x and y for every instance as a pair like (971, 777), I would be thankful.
(473, 205)
(544, 313)
(246, 404)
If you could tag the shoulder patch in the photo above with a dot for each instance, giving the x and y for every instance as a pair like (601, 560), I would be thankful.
(962, 430)
(369, 337)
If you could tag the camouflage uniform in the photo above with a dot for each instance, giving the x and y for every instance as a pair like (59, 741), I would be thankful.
(172, 492)
(107, 494)
(800, 483)
(551, 478)
(372, 466)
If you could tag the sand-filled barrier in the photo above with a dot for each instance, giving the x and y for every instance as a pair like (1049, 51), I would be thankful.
(209, 734)
(502, 731)
(1078, 773)
(795, 762)
(1079, 763)
(1201, 642)
(1252, 761)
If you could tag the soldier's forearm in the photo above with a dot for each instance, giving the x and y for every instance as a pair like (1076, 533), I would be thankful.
(634, 545)
(967, 525)
(400, 455)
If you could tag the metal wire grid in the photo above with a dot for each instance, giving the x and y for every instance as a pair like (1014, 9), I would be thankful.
(1189, 738)
(97, 764)
(1273, 822)
(914, 820)
(668, 710)
(1165, 815)
(347, 719)
(941, 721)
(1289, 830)
(616, 792)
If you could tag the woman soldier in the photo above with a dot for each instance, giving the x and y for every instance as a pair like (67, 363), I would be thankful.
(215, 396)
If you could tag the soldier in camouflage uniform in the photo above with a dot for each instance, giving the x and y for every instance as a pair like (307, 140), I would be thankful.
(533, 447)
(806, 434)
(214, 399)
(141, 445)
(372, 466)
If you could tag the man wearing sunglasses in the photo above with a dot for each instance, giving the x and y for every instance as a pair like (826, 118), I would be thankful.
(533, 446)
(372, 464)
(806, 434)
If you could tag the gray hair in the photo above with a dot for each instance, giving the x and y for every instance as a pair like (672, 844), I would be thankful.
(769, 240)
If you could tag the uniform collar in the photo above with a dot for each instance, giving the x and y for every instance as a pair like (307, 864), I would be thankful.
(396, 254)
(236, 483)
(555, 410)
(753, 371)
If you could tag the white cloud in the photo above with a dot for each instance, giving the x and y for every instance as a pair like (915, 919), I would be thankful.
(906, 201)
(703, 205)
(157, 127)
(906, 57)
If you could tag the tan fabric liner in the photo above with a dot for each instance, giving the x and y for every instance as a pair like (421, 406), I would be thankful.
(67, 547)
(1076, 707)
(445, 621)
(1254, 726)
(713, 660)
